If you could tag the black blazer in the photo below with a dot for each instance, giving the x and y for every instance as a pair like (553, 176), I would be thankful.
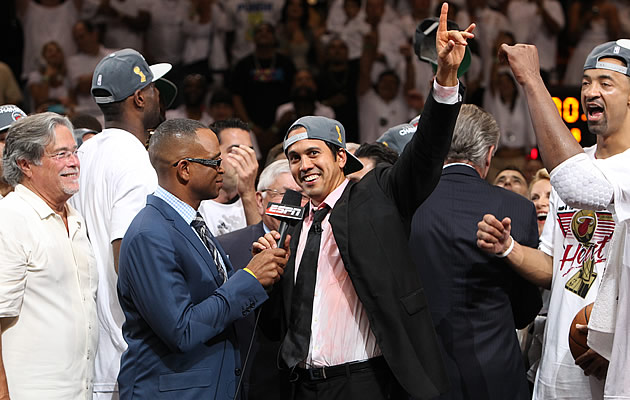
(475, 298)
(261, 377)
(371, 223)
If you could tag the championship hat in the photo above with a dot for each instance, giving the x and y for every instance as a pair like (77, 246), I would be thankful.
(325, 129)
(123, 72)
(619, 49)
(8, 115)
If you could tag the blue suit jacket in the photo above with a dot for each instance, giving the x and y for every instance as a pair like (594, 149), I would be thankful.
(178, 320)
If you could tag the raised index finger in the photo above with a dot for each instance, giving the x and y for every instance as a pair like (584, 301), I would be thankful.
(442, 27)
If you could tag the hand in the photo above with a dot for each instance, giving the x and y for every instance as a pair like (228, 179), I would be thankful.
(451, 47)
(269, 241)
(243, 160)
(591, 362)
(523, 60)
(268, 266)
(493, 236)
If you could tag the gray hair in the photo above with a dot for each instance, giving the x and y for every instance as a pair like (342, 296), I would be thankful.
(26, 140)
(475, 132)
(269, 174)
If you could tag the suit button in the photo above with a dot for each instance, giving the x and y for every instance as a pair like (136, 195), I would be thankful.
(237, 372)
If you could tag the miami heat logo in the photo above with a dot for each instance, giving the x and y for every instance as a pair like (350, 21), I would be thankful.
(583, 225)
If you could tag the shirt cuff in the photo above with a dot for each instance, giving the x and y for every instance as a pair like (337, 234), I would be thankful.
(446, 94)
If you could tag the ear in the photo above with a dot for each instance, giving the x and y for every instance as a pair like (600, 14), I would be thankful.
(138, 98)
(26, 168)
(488, 161)
(342, 158)
(182, 172)
(259, 203)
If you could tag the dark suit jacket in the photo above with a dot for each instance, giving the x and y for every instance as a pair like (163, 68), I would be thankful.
(178, 321)
(475, 298)
(261, 377)
(371, 223)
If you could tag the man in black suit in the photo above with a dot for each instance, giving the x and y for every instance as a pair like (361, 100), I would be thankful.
(261, 377)
(475, 299)
(354, 317)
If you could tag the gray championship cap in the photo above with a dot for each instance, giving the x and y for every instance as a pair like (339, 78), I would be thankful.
(8, 115)
(325, 129)
(122, 73)
(619, 49)
(397, 137)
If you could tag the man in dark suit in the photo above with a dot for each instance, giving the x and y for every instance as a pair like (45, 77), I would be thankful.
(475, 299)
(178, 291)
(261, 377)
(354, 315)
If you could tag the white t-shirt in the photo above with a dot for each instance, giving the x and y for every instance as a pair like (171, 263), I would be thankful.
(579, 241)
(116, 177)
(164, 35)
(84, 64)
(528, 27)
(44, 24)
(320, 110)
(376, 116)
(223, 218)
(613, 305)
(118, 35)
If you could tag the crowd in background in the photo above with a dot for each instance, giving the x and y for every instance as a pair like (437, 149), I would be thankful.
(348, 59)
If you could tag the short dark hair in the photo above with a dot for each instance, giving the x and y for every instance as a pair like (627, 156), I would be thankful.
(89, 26)
(111, 111)
(511, 168)
(377, 152)
(232, 123)
(179, 129)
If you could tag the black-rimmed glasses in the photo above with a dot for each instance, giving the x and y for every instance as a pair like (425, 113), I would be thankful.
(203, 161)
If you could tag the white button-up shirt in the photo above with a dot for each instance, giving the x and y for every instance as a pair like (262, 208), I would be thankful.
(48, 282)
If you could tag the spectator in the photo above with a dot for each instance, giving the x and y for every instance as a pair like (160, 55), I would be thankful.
(242, 18)
(296, 39)
(235, 206)
(539, 192)
(350, 28)
(512, 179)
(50, 84)
(338, 85)
(260, 83)
(10, 92)
(48, 272)
(590, 23)
(125, 22)
(303, 101)
(538, 22)
(81, 66)
(221, 105)
(195, 90)
(197, 29)
(45, 21)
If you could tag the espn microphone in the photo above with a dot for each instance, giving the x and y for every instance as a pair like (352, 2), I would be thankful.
(289, 212)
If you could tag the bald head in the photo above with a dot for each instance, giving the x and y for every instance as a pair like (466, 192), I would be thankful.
(172, 141)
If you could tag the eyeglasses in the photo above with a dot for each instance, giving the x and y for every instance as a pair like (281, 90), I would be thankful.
(64, 155)
(208, 163)
(279, 193)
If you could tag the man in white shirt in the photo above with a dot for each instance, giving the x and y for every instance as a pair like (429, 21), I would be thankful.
(117, 177)
(47, 268)
(605, 93)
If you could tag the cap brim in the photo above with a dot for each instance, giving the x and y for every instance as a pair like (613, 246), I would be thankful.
(159, 70)
(168, 91)
(352, 164)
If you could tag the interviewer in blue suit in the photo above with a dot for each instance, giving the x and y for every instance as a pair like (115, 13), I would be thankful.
(179, 304)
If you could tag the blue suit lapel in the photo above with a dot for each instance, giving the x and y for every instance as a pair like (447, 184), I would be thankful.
(187, 231)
